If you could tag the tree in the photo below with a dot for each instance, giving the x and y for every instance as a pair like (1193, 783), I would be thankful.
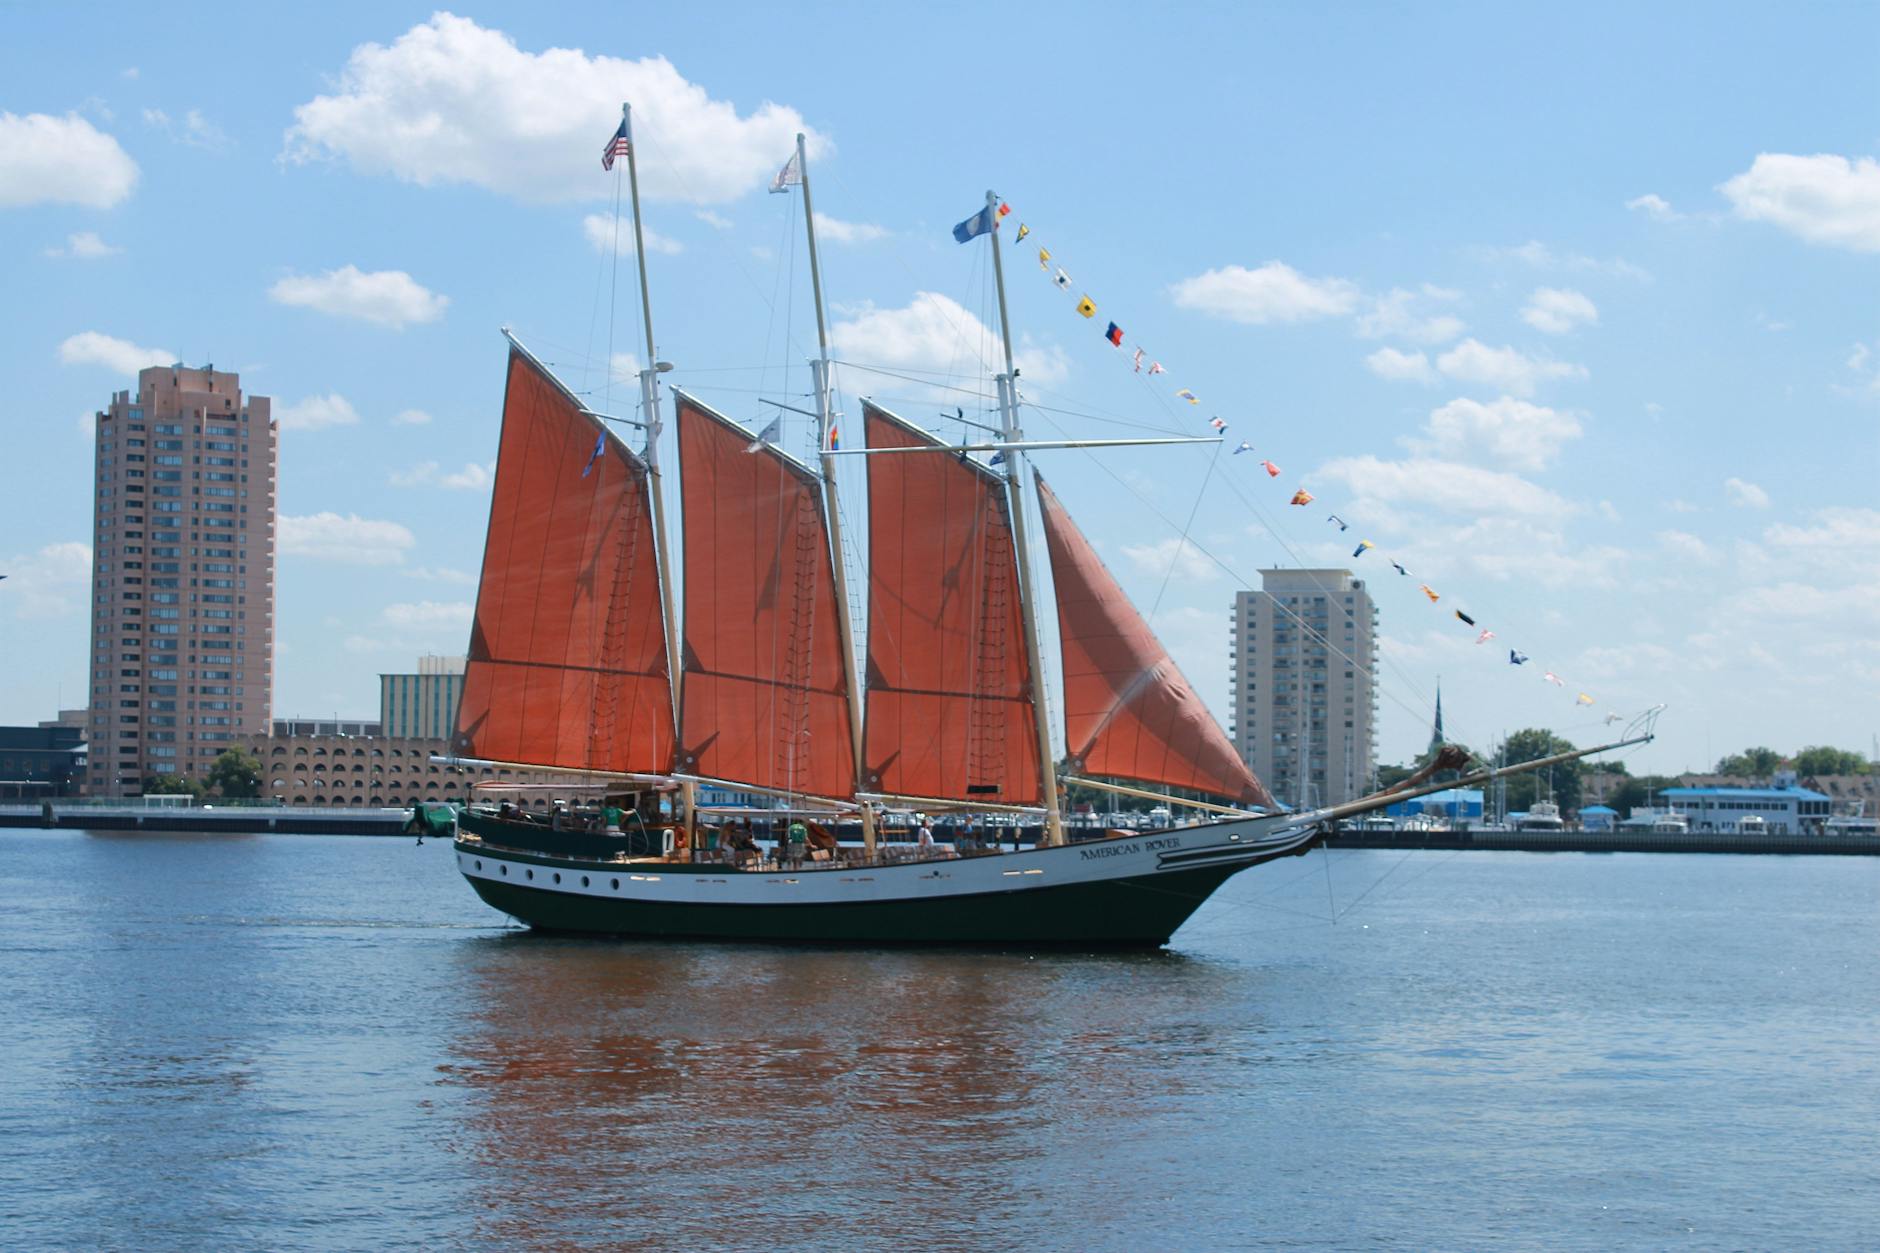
(171, 785)
(236, 773)
(1561, 782)
(1820, 759)
(1390, 776)
(1640, 792)
(1751, 763)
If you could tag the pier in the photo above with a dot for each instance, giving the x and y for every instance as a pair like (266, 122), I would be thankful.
(233, 819)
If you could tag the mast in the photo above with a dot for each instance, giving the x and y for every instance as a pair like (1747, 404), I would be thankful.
(825, 424)
(649, 404)
(1015, 495)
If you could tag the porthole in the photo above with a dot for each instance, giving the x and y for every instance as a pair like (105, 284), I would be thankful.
(558, 876)
(584, 881)
(505, 869)
(530, 873)
(616, 883)
(479, 865)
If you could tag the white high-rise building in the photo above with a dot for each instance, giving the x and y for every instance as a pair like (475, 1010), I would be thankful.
(1304, 696)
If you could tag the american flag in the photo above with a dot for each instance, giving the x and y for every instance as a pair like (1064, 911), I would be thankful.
(616, 147)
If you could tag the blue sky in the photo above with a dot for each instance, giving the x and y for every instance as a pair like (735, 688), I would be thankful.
(1573, 313)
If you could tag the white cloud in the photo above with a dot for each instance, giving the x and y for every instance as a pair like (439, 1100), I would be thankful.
(1511, 431)
(1824, 199)
(626, 367)
(717, 221)
(1538, 255)
(1745, 495)
(1860, 360)
(1273, 293)
(84, 246)
(411, 417)
(444, 574)
(1400, 367)
(601, 229)
(450, 101)
(1654, 206)
(50, 583)
(1397, 315)
(316, 413)
(935, 333)
(837, 231)
(428, 615)
(386, 297)
(1503, 369)
(61, 160)
(1557, 310)
(1687, 547)
(428, 473)
(194, 131)
(1175, 556)
(93, 348)
(1842, 539)
(1450, 486)
(349, 540)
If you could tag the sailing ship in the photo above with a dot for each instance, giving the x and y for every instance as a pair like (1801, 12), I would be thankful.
(582, 658)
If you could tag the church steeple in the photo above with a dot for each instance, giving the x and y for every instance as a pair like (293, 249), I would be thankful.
(1436, 731)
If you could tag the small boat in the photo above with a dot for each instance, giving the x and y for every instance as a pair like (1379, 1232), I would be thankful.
(1542, 816)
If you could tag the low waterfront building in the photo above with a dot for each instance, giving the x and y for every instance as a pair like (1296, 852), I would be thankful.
(1458, 804)
(42, 761)
(1783, 810)
(326, 726)
(1598, 818)
(390, 770)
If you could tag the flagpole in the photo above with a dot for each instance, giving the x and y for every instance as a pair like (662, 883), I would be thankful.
(825, 428)
(655, 424)
(1015, 494)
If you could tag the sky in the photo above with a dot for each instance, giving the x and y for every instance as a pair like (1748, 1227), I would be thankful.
(1574, 314)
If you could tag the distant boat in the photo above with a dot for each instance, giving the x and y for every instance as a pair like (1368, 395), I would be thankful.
(1542, 816)
(584, 657)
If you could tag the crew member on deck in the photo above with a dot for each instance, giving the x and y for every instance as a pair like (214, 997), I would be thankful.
(798, 839)
(923, 843)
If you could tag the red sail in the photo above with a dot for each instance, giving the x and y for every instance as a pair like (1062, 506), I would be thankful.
(568, 649)
(765, 698)
(949, 689)
(1128, 712)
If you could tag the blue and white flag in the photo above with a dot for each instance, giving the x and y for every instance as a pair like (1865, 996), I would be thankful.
(978, 224)
(600, 446)
(998, 458)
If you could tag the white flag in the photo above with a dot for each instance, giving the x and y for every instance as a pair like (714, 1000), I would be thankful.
(1062, 279)
(767, 435)
(789, 176)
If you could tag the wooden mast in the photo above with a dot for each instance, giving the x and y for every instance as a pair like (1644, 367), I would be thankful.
(1015, 495)
(825, 426)
(649, 405)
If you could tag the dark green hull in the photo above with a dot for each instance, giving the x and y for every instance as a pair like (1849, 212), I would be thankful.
(1141, 912)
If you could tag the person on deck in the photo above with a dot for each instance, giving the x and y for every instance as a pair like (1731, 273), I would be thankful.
(798, 840)
(923, 843)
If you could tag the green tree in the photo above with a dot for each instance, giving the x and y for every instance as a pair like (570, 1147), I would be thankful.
(1561, 782)
(1820, 759)
(1751, 763)
(236, 773)
(171, 785)
(1639, 792)
(1390, 776)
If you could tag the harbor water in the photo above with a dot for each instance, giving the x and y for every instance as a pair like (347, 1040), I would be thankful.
(315, 1042)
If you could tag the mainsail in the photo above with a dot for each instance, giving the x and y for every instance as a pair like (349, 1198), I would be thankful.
(1128, 712)
(764, 699)
(949, 712)
(567, 660)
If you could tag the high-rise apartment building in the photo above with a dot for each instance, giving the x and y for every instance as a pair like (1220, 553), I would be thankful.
(182, 615)
(422, 705)
(1304, 697)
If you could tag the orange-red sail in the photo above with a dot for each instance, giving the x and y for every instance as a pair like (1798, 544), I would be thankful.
(1128, 712)
(568, 648)
(764, 699)
(949, 711)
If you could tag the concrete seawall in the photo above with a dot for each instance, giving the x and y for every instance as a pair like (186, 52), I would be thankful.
(235, 820)
(1610, 842)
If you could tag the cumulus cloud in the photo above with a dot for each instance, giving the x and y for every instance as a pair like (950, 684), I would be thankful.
(602, 231)
(1449, 486)
(1503, 369)
(429, 474)
(427, 615)
(1654, 206)
(1176, 556)
(1541, 257)
(1687, 547)
(50, 583)
(837, 231)
(1745, 495)
(385, 297)
(317, 413)
(1400, 367)
(193, 130)
(1273, 293)
(1404, 314)
(1510, 431)
(93, 348)
(935, 333)
(411, 417)
(1558, 310)
(345, 540)
(1824, 199)
(450, 101)
(84, 246)
(61, 160)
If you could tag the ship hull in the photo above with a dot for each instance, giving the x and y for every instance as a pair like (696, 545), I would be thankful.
(1132, 892)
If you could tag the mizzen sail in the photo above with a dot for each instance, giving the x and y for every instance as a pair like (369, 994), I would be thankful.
(567, 660)
(1128, 712)
(764, 700)
(949, 712)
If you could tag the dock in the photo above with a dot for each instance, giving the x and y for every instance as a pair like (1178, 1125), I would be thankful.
(1610, 842)
(79, 815)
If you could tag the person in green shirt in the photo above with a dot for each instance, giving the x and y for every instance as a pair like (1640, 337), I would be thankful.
(799, 839)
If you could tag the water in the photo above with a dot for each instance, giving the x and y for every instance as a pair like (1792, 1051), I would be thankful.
(316, 1042)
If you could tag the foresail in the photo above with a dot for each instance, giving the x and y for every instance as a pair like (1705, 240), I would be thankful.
(764, 699)
(567, 659)
(1128, 712)
(949, 712)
